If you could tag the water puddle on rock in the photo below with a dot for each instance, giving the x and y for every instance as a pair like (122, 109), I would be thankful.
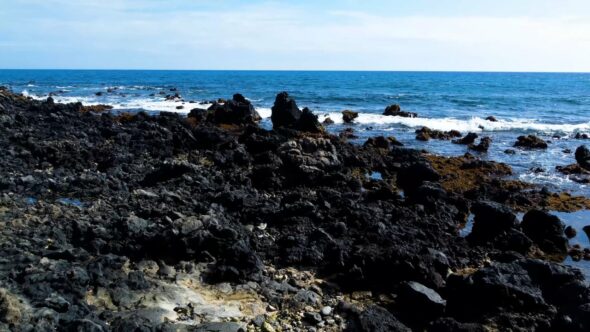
(376, 176)
(466, 230)
(71, 202)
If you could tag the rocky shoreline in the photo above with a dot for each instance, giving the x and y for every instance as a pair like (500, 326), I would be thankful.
(131, 222)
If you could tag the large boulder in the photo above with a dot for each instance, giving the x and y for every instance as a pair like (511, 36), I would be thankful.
(237, 111)
(583, 156)
(395, 110)
(546, 230)
(285, 112)
(530, 142)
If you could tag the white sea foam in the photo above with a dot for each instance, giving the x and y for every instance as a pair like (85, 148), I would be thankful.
(474, 124)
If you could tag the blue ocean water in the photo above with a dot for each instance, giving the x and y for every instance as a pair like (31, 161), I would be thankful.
(554, 106)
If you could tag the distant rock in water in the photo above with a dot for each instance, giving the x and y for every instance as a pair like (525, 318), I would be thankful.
(286, 114)
(327, 121)
(491, 119)
(530, 142)
(349, 116)
(581, 136)
(425, 134)
(483, 146)
(395, 110)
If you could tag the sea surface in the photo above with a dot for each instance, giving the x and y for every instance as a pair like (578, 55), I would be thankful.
(554, 106)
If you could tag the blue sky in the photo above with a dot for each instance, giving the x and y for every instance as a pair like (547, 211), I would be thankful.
(500, 35)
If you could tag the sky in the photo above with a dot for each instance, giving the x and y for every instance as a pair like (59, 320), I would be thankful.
(445, 35)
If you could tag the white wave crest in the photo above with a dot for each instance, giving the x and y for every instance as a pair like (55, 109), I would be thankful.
(474, 124)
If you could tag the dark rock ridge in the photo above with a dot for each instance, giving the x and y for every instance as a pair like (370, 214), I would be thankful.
(395, 110)
(110, 222)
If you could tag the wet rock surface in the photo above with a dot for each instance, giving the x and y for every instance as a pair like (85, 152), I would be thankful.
(166, 223)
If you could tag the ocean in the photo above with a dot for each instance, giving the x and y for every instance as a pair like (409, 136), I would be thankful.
(554, 106)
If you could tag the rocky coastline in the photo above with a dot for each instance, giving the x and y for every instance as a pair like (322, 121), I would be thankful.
(208, 222)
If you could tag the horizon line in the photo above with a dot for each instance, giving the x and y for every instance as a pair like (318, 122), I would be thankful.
(306, 70)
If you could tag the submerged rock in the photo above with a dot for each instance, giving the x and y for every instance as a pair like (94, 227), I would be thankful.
(530, 142)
